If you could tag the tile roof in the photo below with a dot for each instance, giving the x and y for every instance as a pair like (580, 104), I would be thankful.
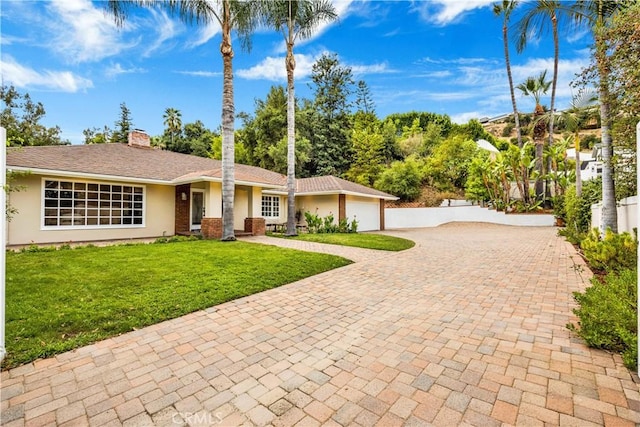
(332, 184)
(121, 160)
(132, 162)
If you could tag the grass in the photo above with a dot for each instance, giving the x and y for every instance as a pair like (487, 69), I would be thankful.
(60, 300)
(359, 240)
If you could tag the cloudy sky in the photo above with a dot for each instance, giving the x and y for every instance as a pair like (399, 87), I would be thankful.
(442, 56)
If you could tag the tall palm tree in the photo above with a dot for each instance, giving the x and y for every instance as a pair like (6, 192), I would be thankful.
(582, 110)
(538, 16)
(238, 15)
(596, 13)
(295, 19)
(536, 87)
(504, 9)
(173, 121)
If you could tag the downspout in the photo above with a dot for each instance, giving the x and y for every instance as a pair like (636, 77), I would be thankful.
(3, 243)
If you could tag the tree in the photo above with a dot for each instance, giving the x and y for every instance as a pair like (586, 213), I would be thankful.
(331, 148)
(581, 111)
(536, 87)
(230, 15)
(97, 136)
(505, 9)
(296, 19)
(122, 126)
(538, 16)
(364, 101)
(173, 121)
(21, 118)
(402, 179)
(597, 14)
(368, 153)
(448, 166)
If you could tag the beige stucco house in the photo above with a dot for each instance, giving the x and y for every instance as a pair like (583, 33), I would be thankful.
(84, 193)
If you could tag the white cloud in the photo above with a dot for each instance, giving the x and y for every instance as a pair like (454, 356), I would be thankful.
(24, 77)
(380, 68)
(166, 28)
(116, 69)
(200, 73)
(463, 118)
(443, 12)
(205, 34)
(273, 69)
(84, 32)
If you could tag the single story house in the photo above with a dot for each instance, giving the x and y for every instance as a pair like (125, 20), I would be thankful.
(86, 193)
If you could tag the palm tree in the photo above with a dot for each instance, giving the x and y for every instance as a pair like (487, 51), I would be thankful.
(596, 13)
(296, 19)
(582, 110)
(173, 121)
(536, 87)
(504, 9)
(538, 16)
(238, 15)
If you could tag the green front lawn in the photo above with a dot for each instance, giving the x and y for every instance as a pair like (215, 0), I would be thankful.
(359, 240)
(64, 299)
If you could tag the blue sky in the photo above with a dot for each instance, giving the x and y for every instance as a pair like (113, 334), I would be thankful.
(440, 56)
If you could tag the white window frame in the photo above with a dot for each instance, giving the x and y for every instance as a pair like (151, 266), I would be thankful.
(273, 204)
(44, 210)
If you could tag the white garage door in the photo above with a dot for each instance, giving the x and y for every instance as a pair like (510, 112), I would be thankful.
(367, 212)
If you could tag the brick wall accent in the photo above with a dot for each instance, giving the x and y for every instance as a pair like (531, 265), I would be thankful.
(382, 206)
(183, 209)
(255, 226)
(342, 207)
(211, 228)
(139, 138)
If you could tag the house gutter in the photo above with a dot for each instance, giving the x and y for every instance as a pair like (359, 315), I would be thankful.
(3, 243)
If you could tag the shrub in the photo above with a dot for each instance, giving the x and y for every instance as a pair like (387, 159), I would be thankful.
(402, 179)
(614, 252)
(578, 209)
(608, 315)
(506, 131)
(589, 141)
(313, 222)
(316, 224)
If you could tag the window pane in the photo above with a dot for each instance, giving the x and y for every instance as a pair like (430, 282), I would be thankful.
(92, 221)
(105, 188)
(51, 221)
(92, 187)
(51, 194)
(66, 185)
(50, 203)
(79, 186)
(51, 184)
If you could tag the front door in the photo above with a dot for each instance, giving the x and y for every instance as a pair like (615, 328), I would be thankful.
(197, 209)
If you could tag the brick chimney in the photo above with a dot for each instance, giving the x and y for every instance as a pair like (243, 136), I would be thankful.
(139, 138)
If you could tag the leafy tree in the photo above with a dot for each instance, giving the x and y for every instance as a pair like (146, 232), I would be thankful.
(230, 15)
(402, 179)
(97, 136)
(368, 154)
(406, 119)
(504, 9)
(331, 147)
(296, 19)
(122, 126)
(447, 167)
(411, 141)
(21, 119)
(266, 127)
(278, 155)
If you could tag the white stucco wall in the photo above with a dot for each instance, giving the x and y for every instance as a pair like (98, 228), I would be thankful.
(25, 227)
(433, 217)
(322, 205)
(627, 214)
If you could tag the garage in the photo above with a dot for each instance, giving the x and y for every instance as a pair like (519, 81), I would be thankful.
(366, 210)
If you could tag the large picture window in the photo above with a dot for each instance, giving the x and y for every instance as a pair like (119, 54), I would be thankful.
(270, 206)
(90, 204)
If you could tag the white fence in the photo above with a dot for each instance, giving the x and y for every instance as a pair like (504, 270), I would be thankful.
(433, 217)
(627, 214)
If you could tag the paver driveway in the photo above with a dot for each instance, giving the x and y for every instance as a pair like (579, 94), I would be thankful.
(468, 328)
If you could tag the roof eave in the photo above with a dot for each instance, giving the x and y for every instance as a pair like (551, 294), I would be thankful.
(102, 177)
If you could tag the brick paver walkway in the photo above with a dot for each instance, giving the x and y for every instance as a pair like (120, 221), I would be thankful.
(467, 328)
